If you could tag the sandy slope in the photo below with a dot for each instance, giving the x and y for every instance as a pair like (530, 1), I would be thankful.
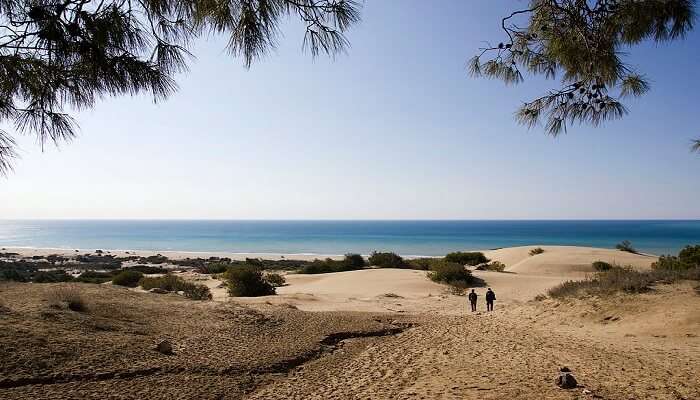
(526, 277)
(564, 260)
(515, 353)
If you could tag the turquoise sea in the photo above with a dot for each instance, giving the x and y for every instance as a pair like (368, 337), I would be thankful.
(339, 237)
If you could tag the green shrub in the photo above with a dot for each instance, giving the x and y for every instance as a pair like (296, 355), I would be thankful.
(536, 251)
(12, 274)
(157, 259)
(450, 273)
(386, 260)
(214, 268)
(147, 269)
(626, 245)
(495, 266)
(94, 277)
(275, 279)
(168, 282)
(350, 262)
(354, 262)
(247, 282)
(467, 258)
(423, 264)
(127, 278)
(173, 283)
(690, 255)
(51, 276)
(602, 266)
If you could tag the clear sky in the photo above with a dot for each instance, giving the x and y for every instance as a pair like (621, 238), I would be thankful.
(394, 129)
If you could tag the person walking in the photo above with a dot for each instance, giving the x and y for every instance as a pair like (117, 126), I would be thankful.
(472, 299)
(490, 297)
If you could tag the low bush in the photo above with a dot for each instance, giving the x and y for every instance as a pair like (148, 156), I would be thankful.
(354, 262)
(9, 273)
(157, 259)
(95, 277)
(496, 266)
(147, 269)
(168, 282)
(350, 262)
(127, 278)
(450, 273)
(536, 251)
(247, 282)
(386, 260)
(51, 276)
(423, 264)
(172, 283)
(467, 258)
(688, 258)
(68, 296)
(626, 245)
(214, 268)
(275, 279)
(601, 266)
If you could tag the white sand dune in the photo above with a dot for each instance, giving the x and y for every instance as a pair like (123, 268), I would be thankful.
(564, 260)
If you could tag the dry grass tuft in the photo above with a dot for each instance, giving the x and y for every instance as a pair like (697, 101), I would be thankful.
(621, 279)
(68, 296)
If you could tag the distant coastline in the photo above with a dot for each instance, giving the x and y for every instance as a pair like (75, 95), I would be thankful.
(319, 239)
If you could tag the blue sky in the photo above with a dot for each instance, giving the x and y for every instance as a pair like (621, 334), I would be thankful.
(394, 129)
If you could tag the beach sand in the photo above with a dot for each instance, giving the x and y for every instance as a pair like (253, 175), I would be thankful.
(369, 334)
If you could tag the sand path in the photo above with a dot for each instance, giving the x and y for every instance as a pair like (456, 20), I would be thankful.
(507, 354)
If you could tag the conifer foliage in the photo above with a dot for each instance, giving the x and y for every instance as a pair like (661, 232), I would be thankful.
(61, 56)
(582, 43)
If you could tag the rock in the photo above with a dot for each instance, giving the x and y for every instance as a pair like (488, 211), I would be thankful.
(164, 347)
(158, 290)
(566, 380)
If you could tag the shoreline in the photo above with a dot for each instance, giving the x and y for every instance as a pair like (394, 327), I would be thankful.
(28, 251)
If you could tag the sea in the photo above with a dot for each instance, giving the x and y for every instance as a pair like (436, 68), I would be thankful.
(325, 237)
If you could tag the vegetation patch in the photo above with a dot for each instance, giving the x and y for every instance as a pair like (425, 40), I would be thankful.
(350, 262)
(69, 297)
(536, 251)
(386, 260)
(496, 266)
(147, 269)
(621, 279)
(626, 245)
(127, 278)
(423, 264)
(688, 258)
(601, 266)
(450, 273)
(95, 277)
(248, 282)
(467, 258)
(172, 283)
(275, 279)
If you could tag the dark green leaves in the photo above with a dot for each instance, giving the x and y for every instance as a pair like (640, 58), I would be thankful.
(69, 53)
(580, 41)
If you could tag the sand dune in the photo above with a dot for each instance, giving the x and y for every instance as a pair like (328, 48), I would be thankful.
(526, 277)
(564, 260)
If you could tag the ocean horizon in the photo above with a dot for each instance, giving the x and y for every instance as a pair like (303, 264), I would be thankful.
(331, 237)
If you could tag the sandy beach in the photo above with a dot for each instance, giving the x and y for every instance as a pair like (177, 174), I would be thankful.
(373, 333)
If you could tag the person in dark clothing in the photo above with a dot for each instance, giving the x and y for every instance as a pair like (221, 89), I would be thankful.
(472, 299)
(490, 297)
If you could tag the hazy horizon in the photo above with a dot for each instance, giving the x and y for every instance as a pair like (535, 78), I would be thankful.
(394, 130)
